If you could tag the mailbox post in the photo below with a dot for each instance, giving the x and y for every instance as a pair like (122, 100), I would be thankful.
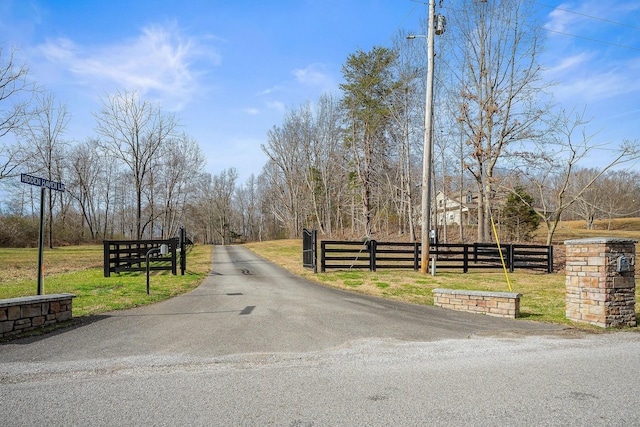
(600, 281)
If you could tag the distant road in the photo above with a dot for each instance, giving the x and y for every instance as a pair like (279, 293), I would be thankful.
(256, 345)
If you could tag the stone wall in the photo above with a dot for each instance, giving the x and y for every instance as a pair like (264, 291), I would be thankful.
(28, 313)
(499, 304)
(600, 281)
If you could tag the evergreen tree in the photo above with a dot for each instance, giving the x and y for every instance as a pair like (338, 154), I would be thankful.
(369, 82)
(519, 220)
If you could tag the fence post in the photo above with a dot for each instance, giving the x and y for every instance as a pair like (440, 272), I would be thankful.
(465, 258)
(314, 238)
(372, 254)
(183, 252)
(511, 258)
(322, 259)
(107, 264)
(173, 243)
(550, 259)
(416, 256)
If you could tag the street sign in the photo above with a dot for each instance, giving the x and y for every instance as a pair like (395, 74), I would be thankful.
(41, 182)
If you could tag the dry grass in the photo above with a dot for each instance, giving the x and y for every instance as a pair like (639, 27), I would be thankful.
(543, 294)
(22, 264)
(567, 230)
(78, 270)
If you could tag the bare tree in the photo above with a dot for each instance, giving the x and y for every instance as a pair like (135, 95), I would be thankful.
(621, 194)
(285, 172)
(406, 129)
(43, 134)
(323, 175)
(90, 181)
(16, 94)
(182, 159)
(223, 190)
(589, 205)
(615, 194)
(247, 203)
(199, 209)
(494, 57)
(134, 132)
(550, 167)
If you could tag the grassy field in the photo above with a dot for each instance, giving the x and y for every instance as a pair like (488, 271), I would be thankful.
(567, 230)
(78, 270)
(543, 293)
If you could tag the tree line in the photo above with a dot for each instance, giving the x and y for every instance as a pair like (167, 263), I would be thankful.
(348, 164)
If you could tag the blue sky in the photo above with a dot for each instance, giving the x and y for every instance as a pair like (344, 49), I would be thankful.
(229, 69)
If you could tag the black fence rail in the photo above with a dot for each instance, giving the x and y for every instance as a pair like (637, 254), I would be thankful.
(349, 255)
(532, 256)
(395, 255)
(130, 255)
(372, 255)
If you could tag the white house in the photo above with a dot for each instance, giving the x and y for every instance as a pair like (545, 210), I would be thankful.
(448, 209)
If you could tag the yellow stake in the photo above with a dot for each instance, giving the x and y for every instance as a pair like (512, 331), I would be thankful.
(504, 267)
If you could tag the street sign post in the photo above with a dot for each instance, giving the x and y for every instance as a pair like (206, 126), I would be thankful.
(43, 183)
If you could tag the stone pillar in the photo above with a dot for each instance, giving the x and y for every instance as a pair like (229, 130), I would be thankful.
(600, 281)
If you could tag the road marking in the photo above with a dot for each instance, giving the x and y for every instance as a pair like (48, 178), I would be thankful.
(247, 310)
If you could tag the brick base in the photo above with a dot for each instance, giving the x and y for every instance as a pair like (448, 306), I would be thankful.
(499, 304)
(28, 313)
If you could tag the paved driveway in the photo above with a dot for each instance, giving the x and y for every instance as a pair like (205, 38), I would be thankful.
(255, 345)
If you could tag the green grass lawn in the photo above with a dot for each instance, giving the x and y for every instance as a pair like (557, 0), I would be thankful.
(78, 270)
(543, 294)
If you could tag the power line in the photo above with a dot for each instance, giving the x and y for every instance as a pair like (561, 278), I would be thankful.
(577, 36)
(592, 40)
(397, 30)
(587, 16)
(609, 21)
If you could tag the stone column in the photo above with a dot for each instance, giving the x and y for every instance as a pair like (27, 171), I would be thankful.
(600, 281)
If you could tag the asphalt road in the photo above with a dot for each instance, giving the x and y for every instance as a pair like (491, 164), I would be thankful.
(255, 345)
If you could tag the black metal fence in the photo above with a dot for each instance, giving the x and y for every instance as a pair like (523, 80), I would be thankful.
(372, 255)
(310, 249)
(130, 255)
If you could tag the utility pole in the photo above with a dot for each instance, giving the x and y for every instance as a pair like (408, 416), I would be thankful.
(428, 141)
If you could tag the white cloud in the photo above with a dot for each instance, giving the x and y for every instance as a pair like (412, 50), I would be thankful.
(252, 111)
(312, 74)
(315, 75)
(582, 78)
(277, 105)
(588, 71)
(269, 91)
(568, 64)
(159, 63)
(560, 20)
(598, 86)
